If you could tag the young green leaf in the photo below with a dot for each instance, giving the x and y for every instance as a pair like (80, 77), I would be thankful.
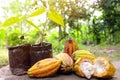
(56, 17)
(31, 23)
(10, 21)
(37, 12)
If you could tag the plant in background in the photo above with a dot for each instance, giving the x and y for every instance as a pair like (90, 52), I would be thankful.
(50, 12)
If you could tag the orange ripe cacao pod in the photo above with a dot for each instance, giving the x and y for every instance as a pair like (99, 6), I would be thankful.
(70, 46)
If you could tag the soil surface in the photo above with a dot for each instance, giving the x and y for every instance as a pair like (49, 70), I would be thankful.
(5, 74)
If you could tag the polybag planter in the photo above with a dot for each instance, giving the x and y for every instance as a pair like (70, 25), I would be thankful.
(19, 59)
(40, 51)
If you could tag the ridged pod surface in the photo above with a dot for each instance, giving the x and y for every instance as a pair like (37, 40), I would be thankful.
(44, 68)
(103, 68)
(82, 53)
(70, 46)
(67, 62)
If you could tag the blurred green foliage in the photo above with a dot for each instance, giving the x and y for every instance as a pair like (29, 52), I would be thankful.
(80, 23)
(2, 37)
(30, 37)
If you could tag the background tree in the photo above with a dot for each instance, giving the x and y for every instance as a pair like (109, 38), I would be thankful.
(80, 20)
(109, 27)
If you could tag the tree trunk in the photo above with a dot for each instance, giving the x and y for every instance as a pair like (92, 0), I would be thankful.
(60, 33)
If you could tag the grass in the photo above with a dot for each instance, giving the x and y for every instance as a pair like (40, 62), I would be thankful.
(98, 54)
(115, 57)
(112, 57)
(3, 57)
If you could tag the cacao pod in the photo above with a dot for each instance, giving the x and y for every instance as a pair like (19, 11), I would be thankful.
(44, 68)
(70, 46)
(67, 62)
(103, 68)
(84, 67)
(82, 53)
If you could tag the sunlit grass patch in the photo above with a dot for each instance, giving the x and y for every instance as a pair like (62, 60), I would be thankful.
(112, 57)
(98, 54)
(3, 57)
(115, 57)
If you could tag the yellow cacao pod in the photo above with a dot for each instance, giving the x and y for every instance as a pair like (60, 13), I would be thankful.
(82, 53)
(44, 68)
(84, 67)
(103, 68)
